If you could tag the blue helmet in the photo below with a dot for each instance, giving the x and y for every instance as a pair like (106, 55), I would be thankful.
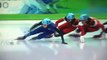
(84, 17)
(70, 16)
(46, 21)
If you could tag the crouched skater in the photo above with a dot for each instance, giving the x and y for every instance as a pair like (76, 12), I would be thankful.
(45, 28)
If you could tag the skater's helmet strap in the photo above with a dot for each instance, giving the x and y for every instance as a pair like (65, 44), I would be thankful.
(70, 16)
(46, 21)
(84, 17)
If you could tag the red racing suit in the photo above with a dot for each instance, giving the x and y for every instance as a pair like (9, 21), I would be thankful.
(67, 27)
(91, 26)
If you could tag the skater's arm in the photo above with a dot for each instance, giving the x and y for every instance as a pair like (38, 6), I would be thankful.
(58, 21)
(101, 33)
(102, 27)
(35, 25)
(61, 34)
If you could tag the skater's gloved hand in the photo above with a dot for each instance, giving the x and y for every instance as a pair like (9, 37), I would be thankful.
(64, 43)
(82, 39)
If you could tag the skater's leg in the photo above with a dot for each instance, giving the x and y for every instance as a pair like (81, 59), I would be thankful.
(43, 35)
(97, 36)
(101, 34)
(76, 33)
(38, 30)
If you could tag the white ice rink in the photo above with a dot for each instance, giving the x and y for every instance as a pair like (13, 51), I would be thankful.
(47, 49)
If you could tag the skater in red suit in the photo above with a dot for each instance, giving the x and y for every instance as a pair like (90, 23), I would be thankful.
(70, 24)
(90, 24)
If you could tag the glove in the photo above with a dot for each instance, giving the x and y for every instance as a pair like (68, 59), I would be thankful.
(64, 43)
(82, 39)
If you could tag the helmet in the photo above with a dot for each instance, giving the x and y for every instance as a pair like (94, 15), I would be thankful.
(70, 16)
(46, 21)
(84, 17)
